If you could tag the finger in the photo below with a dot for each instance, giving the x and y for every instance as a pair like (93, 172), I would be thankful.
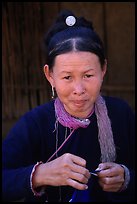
(77, 185)
(78, 165)
(78, 160)
(111, 171)
(79, 177)
(112, 180)
(105, 165)
(81, 170)
(110, 187)
(106, 173)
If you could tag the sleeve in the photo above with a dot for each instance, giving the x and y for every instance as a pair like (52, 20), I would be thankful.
(126, 178)
(39, 191)
(19, 158)
(130, 148)
(125, 137)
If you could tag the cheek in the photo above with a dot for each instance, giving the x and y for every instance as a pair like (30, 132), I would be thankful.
(96, 82)
(62, 89)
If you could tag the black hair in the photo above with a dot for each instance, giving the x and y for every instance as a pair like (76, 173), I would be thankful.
(62, 38)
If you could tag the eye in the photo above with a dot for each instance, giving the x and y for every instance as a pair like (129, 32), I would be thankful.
(88, 75)
(67, 77)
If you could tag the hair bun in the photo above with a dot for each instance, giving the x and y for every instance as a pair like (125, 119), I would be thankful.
(80, 21)
(63, 15)
(60, 24)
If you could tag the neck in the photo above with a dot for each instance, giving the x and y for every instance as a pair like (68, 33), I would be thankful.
(80, 115)
(66, 119)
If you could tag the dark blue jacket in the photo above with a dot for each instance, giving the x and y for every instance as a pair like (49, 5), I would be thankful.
(33, 139)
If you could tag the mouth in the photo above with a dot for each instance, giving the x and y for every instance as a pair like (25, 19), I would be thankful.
(79, 103)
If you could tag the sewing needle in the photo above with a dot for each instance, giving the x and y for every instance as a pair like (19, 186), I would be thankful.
(95, 172)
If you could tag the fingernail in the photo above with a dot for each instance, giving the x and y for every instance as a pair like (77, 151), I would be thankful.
(98, 169)
(86, 187)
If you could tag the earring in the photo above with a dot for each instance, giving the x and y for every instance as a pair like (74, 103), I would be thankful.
(53, 92)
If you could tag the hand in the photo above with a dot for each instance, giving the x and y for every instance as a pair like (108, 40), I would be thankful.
(67, 169)
(111, 176)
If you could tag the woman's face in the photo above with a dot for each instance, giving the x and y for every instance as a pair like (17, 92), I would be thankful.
(77, 78)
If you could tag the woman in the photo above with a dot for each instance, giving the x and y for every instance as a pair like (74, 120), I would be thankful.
(80, 145)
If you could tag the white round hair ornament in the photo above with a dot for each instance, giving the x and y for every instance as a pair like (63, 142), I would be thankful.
(70, 20)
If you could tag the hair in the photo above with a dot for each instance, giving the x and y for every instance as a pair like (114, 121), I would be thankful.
(62, 38)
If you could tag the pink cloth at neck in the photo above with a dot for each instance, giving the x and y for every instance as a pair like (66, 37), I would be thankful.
(66, 119)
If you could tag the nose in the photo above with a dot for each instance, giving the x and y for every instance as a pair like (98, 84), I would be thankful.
(79, 88)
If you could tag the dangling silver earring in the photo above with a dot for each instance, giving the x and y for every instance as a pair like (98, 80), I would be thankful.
(53, 93)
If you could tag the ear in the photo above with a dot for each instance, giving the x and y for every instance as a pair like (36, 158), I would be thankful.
(104, 69)
(48, 74)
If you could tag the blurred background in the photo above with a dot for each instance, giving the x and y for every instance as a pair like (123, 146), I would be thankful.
(23, 27)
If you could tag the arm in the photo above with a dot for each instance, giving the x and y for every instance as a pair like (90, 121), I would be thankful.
(20, 155)
(18, 161)
(123, 124)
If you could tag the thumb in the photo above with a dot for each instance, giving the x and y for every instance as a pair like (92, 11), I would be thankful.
(104, 165)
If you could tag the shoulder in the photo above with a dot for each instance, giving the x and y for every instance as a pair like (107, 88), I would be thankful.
(40, 116)
(117, 105)
(115, 102)
(33, 123)
(43, 110)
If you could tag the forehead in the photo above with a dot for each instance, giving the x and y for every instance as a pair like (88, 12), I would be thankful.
(76, 58)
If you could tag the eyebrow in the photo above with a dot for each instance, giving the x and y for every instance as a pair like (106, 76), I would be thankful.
(68, 72)
(65, 72)
(91, 69)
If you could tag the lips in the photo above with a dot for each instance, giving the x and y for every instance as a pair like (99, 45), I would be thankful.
(79, 102)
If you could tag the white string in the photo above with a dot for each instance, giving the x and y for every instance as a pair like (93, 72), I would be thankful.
(55, 153)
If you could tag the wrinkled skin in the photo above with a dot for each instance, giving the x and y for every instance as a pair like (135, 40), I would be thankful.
(111, 176)
(70, 170)
(67, 169)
